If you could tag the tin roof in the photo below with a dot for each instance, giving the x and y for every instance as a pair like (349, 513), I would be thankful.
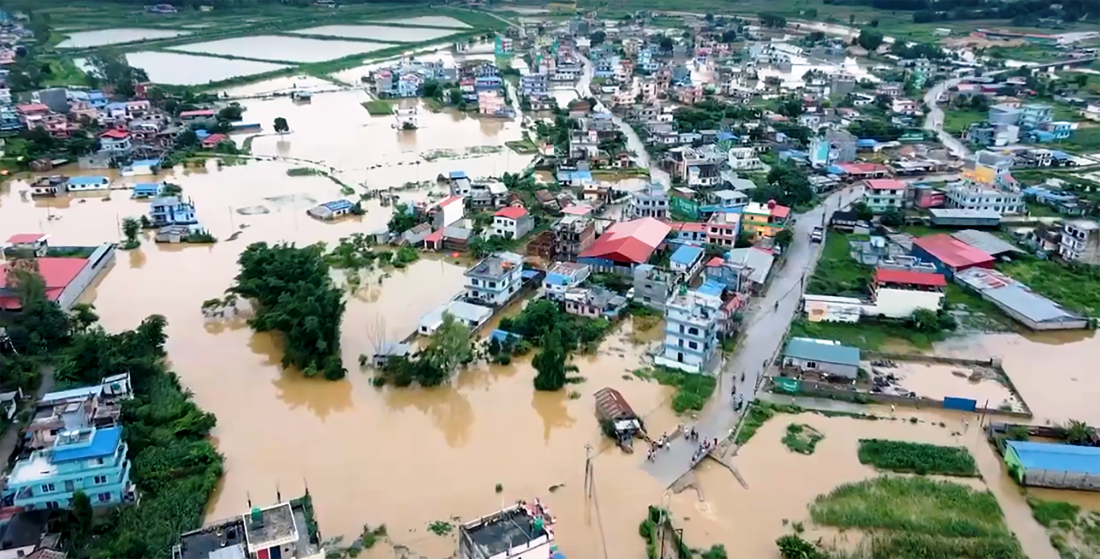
(1057, 457)
(824, 351)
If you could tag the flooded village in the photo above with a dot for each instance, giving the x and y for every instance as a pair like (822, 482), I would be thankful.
(541, 282)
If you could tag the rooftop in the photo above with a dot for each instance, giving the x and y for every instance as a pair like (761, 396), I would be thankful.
(885, 184)
(511, 212)
(338, 205)
(629, 241)
(57, 272)
(496, 265)
(1057, 457)
(910, 277)
(116, 134)
(88, 180)
(952, 251)
(825, 351)
(986, 242)
(687, 255)
(497, 533)
(26, 238)
(264, 528)
(104, 442)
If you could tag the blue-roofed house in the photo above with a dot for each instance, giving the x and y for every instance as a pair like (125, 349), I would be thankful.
(97, 99)
(826, 357)
(563, 276)
(331, 210)
(90, 459)
(83, 184)
(141, 167)
(711, 288)
(1059, 466)
(170, 210)
(687, 260)
(574, 178)
(146, 190)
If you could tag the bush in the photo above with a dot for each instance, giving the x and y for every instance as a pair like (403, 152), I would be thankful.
(919, 458)
(794, 547)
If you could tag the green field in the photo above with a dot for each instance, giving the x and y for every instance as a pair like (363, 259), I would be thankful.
(378, 107)
(1075, 286)
(918, 458)
(836, 272)
(955, 121)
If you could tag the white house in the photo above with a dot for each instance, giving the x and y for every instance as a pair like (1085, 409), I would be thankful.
(512, 222)
(448, 211)
(82, 184)
(495, 279)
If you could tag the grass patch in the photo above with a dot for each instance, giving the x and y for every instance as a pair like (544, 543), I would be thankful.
(1083, 140)
(378, 107)
(1041, 210)
(866, 334)
(303, 172)
(1075, 286)
(836, 273)
(973, 312)
(801, 438)
(757, 414)
(692, 390)
(917, 518)
(1073, 532)
(955, 121)
(918, 458)
(522, 147)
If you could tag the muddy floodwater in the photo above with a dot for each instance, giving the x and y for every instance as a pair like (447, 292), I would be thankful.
(378, 32)
(431, 21)
(280, 48)
(82, 39)
(189, 69)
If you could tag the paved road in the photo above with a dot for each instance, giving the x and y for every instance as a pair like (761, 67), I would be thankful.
(764, 332)
(934, 120)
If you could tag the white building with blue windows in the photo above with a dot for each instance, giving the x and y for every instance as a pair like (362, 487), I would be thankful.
(89, 459)
(691, 332)
(495, 279)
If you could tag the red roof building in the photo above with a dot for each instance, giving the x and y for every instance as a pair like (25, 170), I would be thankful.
(885, 184)
(213, 140)
(33, 108)
(58, 273)
(909, 278)
(116, 134)
(511, 212)
(865, 170)
(629, 242)
(26, 238)
(949, 254)
(201, 113)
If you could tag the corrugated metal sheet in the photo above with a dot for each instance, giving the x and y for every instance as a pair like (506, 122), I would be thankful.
(1058, 457)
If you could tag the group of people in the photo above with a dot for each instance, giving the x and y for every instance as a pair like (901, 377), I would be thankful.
(654, 446)
(704, 447)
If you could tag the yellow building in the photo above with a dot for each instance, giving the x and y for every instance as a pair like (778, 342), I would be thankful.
(764, 220)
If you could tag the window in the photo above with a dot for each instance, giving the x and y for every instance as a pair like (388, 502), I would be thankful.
(811, 364)
(99, 480)
(48, 488)
(52, 505)
(693, 345)
(492, 284)
(473, 282)
(693, 330)
(104, 497)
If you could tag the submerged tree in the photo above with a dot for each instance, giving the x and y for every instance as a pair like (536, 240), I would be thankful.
(281, 125)
(551, 363)
(131, 228)
(1078, 432)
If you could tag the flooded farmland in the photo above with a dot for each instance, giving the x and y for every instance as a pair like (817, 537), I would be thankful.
(188, 69)
(280, 48)
(431, 21)
(378, 32)
(83, 39)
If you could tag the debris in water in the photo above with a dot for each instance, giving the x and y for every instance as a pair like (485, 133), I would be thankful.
(554, 488)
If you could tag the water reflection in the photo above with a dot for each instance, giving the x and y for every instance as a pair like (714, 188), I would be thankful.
(320, 397)
(553, 411)
(448, 409)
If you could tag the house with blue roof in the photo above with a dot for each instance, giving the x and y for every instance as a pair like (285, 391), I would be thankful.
(826, 357)
(141, 167)
(687, 260)
(89, 459)
(146, 190)
(1060, 466)
(170, 210)
(84, 184)
(562, 277)
(331, 210)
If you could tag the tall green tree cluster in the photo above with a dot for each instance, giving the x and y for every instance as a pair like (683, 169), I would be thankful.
(295, 297)
(546, 325)
(449, 347)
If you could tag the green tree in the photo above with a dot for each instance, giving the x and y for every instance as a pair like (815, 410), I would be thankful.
(551, 363)
(597, 38)
(232, 112)
(863, 211)
(768, 19)
(924, 320)
(82, 317)
(433, 89)
(450, 345)
(79, 522)
(792, 546)
(1081, 80)
(402, 219)
(870, 39)
(783, 238)
(1077, 433)
(892, 217)
(112, 68)
(40, 327)
(187, 139)
(131, 227)
(281, 125)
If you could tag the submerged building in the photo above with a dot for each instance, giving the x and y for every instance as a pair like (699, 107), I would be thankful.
(521, 531)
(282, 531)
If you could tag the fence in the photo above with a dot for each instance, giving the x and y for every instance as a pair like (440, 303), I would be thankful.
(803, 387)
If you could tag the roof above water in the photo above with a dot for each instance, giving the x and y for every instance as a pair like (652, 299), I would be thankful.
(824, 351)
(1057, 457)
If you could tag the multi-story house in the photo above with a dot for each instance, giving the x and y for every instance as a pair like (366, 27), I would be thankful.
(573, 234)
(286, 530)
(723, 227)
(987, 134)
(764, 220)
(116, 142)
(1034, 115)
(691, 333)
(495, 279)
(87, 459)
(744, 159)
(885, 194)
(1081, 241)
(170, 210)
(1004, 113)
(562, 277)
(512, 222)
(534, 85)
(987, 185)
(653, 286)
(408, 85)
(651, 201)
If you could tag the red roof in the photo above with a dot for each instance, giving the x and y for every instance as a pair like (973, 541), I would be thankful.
(115, 133)
(780, 211)
(58, 273)
(690, 226)
(910, 277)
(32, 107)
(449, 200)
(434, 236)
(25, 238)
(577, 209)
(862, 168)
(214, 139)
(200, 112)
(952, 252)
(629, 242)
(511, 212)
(716, 261)
(885, 184)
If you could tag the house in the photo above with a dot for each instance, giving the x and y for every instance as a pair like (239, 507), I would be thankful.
(764, 220)
(469, 314)
(967, 195)
(1080, 241)
(454, 238)
(146, 190)
(331, 210)
(200, 114)
(285, 530)
(689, 232)
(88, 459)
(826, 357)
(562, 277)
(495, 279)
(653, 286)
(885, 194)
(1057, 466)
(594, 302)
(141, 167)
(572, 235)
(49, 186)
(512, 222)
(650, 202)
(89, 183)
(97, 406)
(66, 277)
(897, 293)
(115, 141)
(723, 228)
(691, 333)
(987, 242)
(989, 134)
(625, 245)
(949, 254)
(1019, 302)
(844, 221)
(861, 171)
(686, 260)
(23, 533)
(448, 211)
(416, 235)
(944, 217)
(214, 140)
(520, 531)
(750, 265)
(170, 210)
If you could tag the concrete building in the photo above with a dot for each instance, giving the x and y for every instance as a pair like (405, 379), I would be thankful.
(573, 234)
(980, 197)
(691, 333)
(66, 277)
(495, 279)
(521, 531)
(686, 261)
(562, 277)
(1035, 115)
(1081, 241)
(723, 228)
(652, 201)
(448, 211)
(594, 302)
(885, 194)
(512, 222)
(988, 134)
(764, 220)
(652, 286)
(1019, 302)
(86, 458)
(170, 210)
(282, 531)
(744, 159)
(897, 293)
(826, 357)
(625, 245)
(949, 254)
